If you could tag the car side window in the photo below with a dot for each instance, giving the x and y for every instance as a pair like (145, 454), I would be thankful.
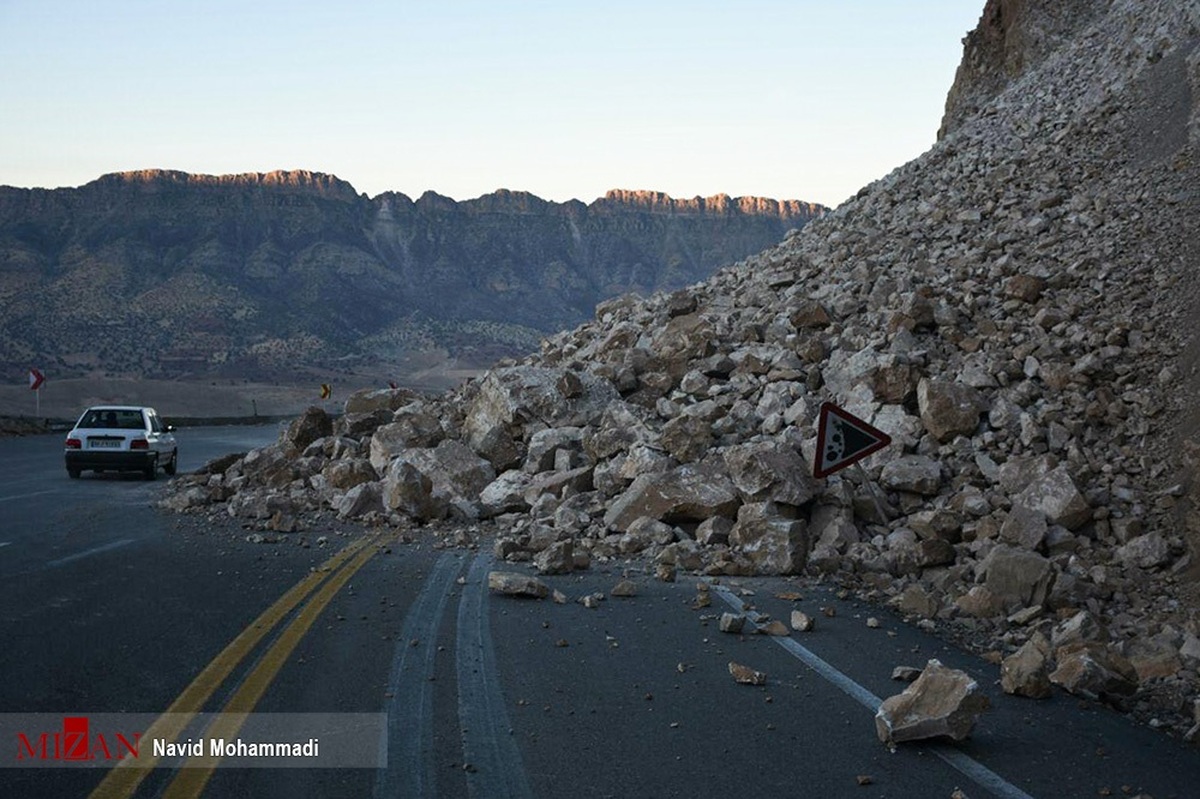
(155, 425)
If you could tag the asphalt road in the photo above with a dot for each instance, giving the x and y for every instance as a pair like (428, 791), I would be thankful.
(110, 605)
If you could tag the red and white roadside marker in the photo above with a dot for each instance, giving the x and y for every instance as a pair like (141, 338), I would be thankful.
(36, 378)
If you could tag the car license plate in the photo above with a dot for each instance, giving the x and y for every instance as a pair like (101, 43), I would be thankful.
(104, 443)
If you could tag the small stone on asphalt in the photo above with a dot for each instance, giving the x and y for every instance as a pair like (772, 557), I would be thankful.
(732, 622)
(774, 627)
(801, 621)
(625, 588)
(745, 675)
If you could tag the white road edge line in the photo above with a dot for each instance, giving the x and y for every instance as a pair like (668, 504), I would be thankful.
(87, 553)
(961, 762)
(409, 770)
(487, 734)
(31, 494)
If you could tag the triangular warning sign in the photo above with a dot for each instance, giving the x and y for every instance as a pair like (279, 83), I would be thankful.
(843, 439)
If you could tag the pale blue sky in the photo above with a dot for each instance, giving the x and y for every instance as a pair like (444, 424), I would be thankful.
(797, 99)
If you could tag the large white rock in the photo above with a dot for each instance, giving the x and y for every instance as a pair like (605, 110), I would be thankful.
(1147, 551)
(360, 500)
(941, 703)
(367, 400)
(1055, 495)
(687, 493)
(515, 399)
(514, 584)
(426, 483)
(505, 494)
(774, 544)
(767, 470)
(412, 427)
(915, 474)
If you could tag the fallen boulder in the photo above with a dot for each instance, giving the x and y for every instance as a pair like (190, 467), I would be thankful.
(942, 702)
(687, 493)
(558, 558)
(1026, 671)
(915, 474)
(513, 398)
(1094, 670)
(449, 476)
(360, 500)
(368, 400)
(306, 428)
(948, 409)
(412, 427)
(767, 470)
(1019, 578)
(1055, 495)
(514, 584)
(773, 544)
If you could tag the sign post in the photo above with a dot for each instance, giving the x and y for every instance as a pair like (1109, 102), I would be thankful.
(879, 508)
(36, 378)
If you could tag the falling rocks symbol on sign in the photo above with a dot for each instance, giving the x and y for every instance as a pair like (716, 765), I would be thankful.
(844, 439)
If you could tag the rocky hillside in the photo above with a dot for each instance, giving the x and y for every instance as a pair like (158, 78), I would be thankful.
(167, 274)
(1015, 308)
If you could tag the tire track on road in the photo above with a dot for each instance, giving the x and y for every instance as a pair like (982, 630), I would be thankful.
(409, 741)
(493, 760)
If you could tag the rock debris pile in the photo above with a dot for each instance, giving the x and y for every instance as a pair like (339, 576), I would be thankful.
(1011, 308)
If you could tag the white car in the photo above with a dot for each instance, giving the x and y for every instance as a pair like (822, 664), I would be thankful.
(121, 438)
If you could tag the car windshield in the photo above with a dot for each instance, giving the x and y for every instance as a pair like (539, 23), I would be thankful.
(113, 418)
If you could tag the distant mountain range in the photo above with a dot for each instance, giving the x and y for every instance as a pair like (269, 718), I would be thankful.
(173, 275)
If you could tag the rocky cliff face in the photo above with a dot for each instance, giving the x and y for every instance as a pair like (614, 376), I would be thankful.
(1015, 308)
(167, 274)
(1011, 37)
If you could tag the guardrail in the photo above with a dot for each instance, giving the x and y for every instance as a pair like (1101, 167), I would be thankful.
(221, 421)
(31, 426)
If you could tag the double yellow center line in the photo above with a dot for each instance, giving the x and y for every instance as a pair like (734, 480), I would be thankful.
(123, 781)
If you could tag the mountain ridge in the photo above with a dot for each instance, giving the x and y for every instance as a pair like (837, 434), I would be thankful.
(192, 275)
(331, 185)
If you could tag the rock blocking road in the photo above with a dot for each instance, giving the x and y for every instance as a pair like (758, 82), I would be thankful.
(617, 696)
